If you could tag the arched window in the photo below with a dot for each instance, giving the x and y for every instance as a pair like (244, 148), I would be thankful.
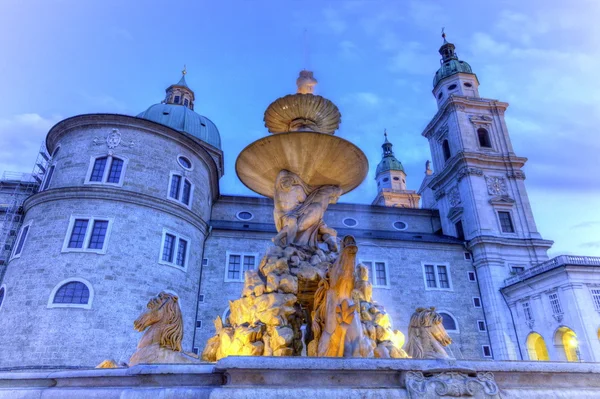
(106, 170)
(536, 347)
(448, 322)
(72, 293)
(446, 150)
(566, 344)
(484, 138)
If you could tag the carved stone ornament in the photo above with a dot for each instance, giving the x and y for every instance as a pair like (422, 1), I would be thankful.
(481, 119)
(468, 171)
(112, 140)
(454, 196)
(496, 185)
(517, 174)
(451, 384)
(440, 133)
(558, 317)
(530, 323)
(439, 194)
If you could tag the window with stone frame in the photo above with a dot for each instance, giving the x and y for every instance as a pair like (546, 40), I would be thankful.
(19, 243)
(448, 321)
(238, 263)
(48, 177)
(555, 304)
(87, 234)
(106, 169)
(180, 189)
(437, 276)
(446, 150)
(174, 250)
(378, 273)
(506, 223)
(527, 312)
(484, 138)
(72, 293)
(596, 298)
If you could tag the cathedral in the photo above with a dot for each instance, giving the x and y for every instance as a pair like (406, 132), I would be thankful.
(121, 207)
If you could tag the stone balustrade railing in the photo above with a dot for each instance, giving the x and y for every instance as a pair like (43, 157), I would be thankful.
(553, 263)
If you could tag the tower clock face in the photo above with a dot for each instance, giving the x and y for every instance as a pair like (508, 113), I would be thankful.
(496, 185)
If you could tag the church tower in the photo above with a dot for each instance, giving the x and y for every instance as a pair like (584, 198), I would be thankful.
(391, 181)
(478, 187)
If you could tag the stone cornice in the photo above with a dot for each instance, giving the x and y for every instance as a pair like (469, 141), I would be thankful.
(472, 163)
(118, 195)
(519, 242)
(212, 156)
(453, 102)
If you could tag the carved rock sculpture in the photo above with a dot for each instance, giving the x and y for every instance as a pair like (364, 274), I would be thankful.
(161, 342)
(427, 337)
(299, 210)
(451, 384)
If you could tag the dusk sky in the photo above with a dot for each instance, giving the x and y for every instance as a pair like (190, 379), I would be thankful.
(374, 59)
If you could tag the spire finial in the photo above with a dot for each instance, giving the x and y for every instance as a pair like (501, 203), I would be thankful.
(184, 72)
(385, 134)
(444, 35)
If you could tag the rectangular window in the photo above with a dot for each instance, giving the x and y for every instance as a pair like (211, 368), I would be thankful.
(430, 276)
(472, 276)
(596, 298)
(467, 256)
(198, 323)
(477, 302)
(98, 169)
(487, 351)
(205, 262)
(481, 325)
(527, 311)
(186, 102)
(48, 177)
(78, 233)
(506, 224)
(378, 273)
(437, 277)
(175, 184)
(87, 234)
(21, 241)
(238, 264)
(176, 100)
(180, 189)
(114, 174)
(555, 304)
(168, 248)
(517, 269)
(201, 298)
(175, 250)
(98, 234)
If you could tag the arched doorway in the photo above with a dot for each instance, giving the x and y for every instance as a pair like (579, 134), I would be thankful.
(567, 345)
(536, 347)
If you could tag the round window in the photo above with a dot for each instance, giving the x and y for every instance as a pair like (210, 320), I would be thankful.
(385, 179)
(400, 225)
(451, 87)
(184, 162)
(244, 215)
(396, 178)
(467, 84)
(350, 222)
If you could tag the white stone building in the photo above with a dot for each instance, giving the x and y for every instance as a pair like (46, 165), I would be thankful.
(121, 208)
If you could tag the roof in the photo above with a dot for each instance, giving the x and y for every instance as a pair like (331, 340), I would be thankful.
(185, 120)
(389, 163)
(449, 68)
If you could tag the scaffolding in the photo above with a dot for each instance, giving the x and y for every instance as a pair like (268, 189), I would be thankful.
(23, 185)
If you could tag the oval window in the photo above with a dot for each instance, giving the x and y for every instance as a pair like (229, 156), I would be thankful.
(396, 178)
(400, 225)
(385, 179)
(184, 162)
(350, 222)
(440, 95)
(451, 87)
(467, 84)
(244, 215)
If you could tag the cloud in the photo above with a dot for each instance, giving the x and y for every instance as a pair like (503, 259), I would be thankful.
(21, 136)
(104, 103)
(348, 49)
(363, 99)
(586, 225)
(334, 21)
(591, 244)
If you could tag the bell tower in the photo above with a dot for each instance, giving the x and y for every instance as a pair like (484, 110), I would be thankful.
(391, 181)
(479, 189)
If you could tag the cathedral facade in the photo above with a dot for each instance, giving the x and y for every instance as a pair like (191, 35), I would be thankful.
(120, 208)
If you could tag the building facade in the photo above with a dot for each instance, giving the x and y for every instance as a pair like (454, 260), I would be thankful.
(120, 208)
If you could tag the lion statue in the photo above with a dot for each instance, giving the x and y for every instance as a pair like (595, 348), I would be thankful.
(427, 337)
(161, 342)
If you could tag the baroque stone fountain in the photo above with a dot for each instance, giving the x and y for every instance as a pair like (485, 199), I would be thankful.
(307, 277)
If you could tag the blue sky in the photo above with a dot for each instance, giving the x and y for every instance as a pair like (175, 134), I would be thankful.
(374, 59)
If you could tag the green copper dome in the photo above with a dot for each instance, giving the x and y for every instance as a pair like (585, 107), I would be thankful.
(177, 112)
(389, 161)
(450, 63)
(185, 120)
